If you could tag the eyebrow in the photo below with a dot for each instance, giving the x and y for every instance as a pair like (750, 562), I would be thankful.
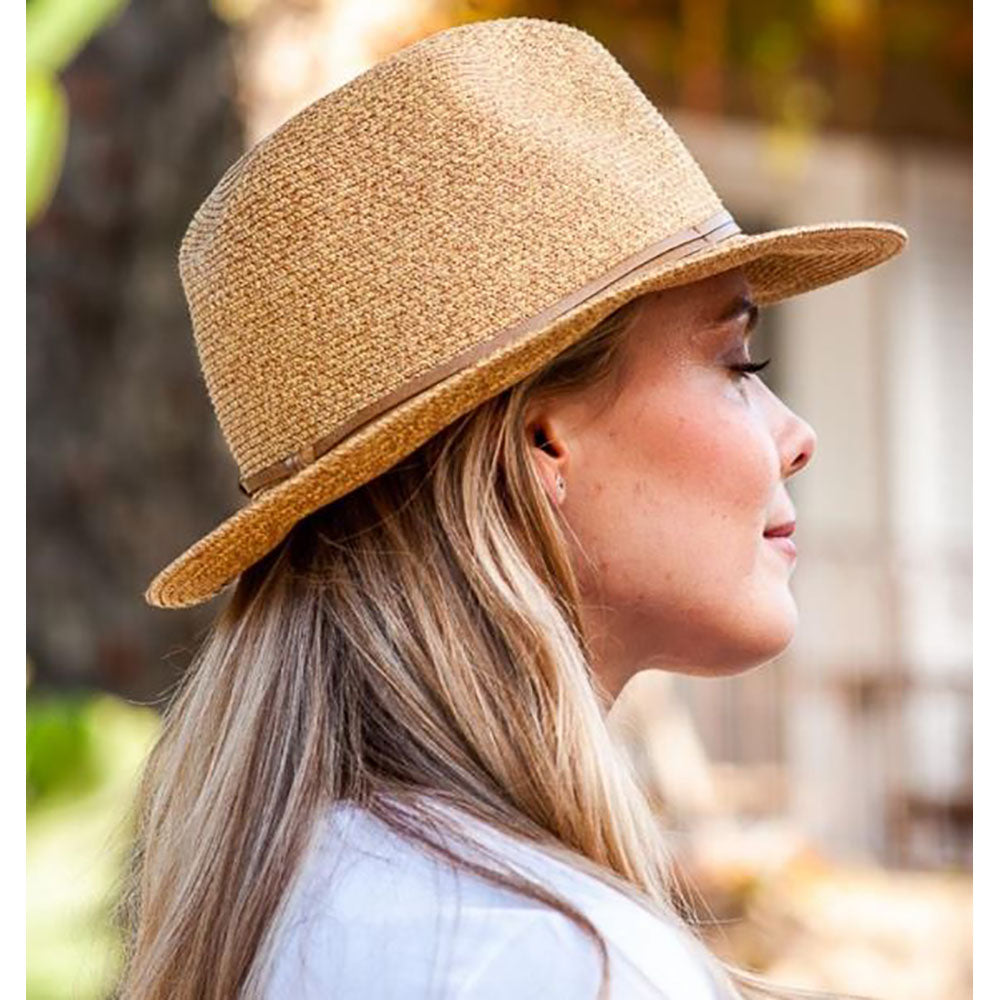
(736, 309)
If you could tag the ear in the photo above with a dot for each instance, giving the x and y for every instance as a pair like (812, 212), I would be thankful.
(548, 449)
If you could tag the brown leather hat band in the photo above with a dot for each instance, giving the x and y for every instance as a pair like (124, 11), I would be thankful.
(681, 244)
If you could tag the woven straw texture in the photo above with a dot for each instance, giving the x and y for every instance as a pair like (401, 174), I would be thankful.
(427, 235)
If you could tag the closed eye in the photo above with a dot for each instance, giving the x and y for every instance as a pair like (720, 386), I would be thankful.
(747, 368)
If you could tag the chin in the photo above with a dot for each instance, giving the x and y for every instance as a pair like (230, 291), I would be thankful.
(766, 643)
(744, 664)
(742, 646)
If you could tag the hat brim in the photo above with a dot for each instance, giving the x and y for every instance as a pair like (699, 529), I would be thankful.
(778, 264)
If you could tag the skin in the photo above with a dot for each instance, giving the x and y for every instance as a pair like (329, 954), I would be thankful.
(671, 478)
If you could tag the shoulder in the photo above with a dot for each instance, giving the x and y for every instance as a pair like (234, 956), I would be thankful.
(372, 914)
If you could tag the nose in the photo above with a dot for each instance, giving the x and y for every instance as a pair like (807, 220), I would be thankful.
(795, 439)
(797, 444)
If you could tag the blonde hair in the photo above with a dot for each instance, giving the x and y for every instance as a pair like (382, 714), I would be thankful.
(418, 638)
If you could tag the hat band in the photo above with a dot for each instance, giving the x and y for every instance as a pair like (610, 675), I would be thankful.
(680, 244)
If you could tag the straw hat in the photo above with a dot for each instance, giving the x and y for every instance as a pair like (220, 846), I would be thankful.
(427, 235)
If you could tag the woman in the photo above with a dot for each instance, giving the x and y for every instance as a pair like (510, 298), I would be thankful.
(476, 329)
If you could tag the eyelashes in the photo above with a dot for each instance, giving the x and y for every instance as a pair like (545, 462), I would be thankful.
(749, 367)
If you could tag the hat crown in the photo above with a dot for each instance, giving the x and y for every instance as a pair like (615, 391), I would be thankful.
(452, 191)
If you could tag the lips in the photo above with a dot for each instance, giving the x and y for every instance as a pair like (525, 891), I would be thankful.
(785, 546)
(780, 530)
(780, 537)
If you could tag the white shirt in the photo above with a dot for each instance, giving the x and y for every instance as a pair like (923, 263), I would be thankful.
(371, 915)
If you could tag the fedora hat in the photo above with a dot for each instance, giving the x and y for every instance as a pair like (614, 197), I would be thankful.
(427, 235)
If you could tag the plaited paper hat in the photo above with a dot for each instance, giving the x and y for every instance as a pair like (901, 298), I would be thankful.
(425, 236)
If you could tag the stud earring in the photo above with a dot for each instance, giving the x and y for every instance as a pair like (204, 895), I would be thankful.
(560, 484)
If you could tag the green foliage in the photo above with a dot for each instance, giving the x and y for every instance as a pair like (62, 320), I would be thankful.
(56, 30)
(60, 748)
(85, 752)
(46, 123)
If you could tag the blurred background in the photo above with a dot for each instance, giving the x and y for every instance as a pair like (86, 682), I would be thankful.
(823, 803)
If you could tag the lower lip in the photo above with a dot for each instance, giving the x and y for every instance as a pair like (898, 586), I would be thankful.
(785, 544)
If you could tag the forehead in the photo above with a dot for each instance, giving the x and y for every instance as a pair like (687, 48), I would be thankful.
(705, 300)
(688, 317)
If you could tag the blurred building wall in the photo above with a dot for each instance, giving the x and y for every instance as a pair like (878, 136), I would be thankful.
(869, 709)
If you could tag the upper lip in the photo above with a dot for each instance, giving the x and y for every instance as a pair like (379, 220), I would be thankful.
(778, 530)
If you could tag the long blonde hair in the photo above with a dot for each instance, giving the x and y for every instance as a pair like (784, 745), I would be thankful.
(420, 637)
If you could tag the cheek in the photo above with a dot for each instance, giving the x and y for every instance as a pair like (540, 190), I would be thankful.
(672, 524)
(677, 494)
(710, 466)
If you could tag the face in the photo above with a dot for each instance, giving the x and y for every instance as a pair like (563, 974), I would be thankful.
(671, 478)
